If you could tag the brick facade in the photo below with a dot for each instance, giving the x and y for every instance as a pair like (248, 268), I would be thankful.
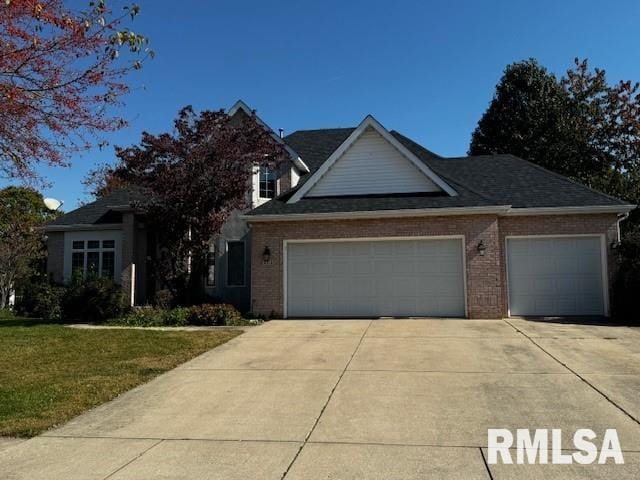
(486, 284)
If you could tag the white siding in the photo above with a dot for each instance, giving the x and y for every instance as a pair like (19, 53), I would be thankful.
(372, 166)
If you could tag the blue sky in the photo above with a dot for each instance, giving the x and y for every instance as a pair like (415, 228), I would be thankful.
(425, 68)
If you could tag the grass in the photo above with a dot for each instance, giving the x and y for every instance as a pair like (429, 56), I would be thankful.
(51, 373)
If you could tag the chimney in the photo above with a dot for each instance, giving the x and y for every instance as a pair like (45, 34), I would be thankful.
(281, 131)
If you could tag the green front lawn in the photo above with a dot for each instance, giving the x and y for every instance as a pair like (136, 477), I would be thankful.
(51, 373)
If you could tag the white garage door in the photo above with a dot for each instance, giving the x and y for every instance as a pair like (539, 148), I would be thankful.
(375, 278)
(555, 276)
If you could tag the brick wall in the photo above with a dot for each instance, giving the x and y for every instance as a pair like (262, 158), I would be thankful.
(486, 288)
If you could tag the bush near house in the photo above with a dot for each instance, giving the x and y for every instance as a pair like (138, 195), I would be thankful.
(214, 314)
(207, 314)
(39, 298)
(94, 299)
(98, 300)
(627, 283)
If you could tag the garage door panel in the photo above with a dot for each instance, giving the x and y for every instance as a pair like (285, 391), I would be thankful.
(384, 266)
(558, 276)
(376, 278)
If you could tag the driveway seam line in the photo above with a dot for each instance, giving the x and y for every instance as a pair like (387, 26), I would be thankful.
(171, 439)
(486, 465)
(605, 396)
(132, 460)
(315, 424)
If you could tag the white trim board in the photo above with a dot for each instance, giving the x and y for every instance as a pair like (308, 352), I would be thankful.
(603, 259)
(370, 122)
(286, 242)
(500, 210)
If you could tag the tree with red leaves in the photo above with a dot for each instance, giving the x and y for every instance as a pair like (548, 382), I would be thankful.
(61, 71)
(193, 178)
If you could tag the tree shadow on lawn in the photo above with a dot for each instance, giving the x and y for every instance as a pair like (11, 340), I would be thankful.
(27, 322)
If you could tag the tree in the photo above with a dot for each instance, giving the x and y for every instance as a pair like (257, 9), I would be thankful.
(578, 126)
(194, 178)
(22, 211)
(61, 74)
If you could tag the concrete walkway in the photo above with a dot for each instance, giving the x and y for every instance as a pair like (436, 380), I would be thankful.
(357, 399)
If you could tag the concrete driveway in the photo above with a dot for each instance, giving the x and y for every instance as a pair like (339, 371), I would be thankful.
(357, 399)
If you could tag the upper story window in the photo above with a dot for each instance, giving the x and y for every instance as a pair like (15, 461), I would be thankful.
(94, 257)
(268, 183)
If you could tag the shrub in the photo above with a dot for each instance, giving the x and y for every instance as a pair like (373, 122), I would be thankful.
(177, 317)
(210, 314)
(94, 299)
(141, 317)
(40, 299)
(164, 299)
(627, 282)
(149, 316)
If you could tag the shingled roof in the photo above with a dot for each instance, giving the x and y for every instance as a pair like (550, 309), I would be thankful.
(102, 210)
(481, 181)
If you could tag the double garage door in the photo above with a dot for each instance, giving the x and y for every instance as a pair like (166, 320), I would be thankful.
(374, 278)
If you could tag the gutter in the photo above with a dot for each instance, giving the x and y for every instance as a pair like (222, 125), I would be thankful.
(500, 210)
(415, 212)
(570, 210)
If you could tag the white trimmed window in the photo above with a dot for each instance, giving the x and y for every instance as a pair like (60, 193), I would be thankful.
(94, 257)
(268, 183)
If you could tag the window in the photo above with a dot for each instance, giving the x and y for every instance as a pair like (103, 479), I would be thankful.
(108, 264)
(268, 181)
(94, 257)
(235, 264)
(211, 265)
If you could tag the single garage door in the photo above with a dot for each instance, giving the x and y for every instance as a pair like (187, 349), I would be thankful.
(375, 278)
(555, 276)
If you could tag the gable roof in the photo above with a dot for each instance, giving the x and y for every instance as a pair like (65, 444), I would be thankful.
(481, 181)
(368, 123)
(295, 158)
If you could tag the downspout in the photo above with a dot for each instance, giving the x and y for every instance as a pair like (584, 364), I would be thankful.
(621, 218)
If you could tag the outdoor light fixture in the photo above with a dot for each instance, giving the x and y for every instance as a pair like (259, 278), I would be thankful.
(266, 255)
(614, 245)
(482, 247)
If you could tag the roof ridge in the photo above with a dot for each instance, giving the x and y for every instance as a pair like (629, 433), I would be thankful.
(439, 172)
(319, 130)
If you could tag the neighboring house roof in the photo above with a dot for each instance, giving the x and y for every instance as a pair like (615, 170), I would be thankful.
(102, 210)
(480, 181)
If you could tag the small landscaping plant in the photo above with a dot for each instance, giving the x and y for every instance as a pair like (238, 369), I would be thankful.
(214, 314)
(154, 317)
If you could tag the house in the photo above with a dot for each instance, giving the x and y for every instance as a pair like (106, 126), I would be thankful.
(365, 222)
